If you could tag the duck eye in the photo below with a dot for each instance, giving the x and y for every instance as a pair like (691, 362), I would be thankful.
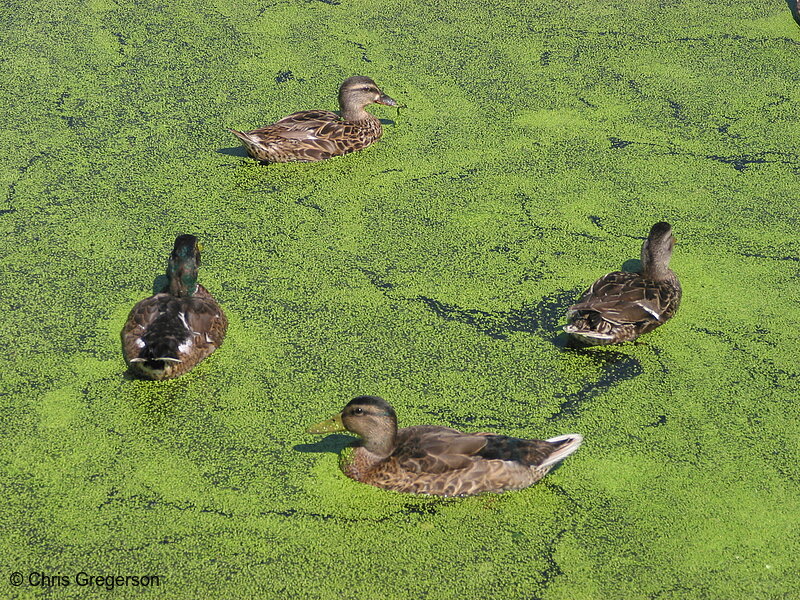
(358, 411)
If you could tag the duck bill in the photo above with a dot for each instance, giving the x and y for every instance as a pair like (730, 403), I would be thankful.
(331, 425)
(386, 100)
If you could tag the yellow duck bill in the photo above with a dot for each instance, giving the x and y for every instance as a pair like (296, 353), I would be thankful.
(331, 425)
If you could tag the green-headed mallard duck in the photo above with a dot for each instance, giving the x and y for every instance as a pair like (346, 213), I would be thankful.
(621, 306)
(169, 333)
(438, 460)
(313, 135)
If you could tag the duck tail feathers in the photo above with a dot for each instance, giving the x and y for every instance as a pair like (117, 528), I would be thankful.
(240, 134)
(565, 445)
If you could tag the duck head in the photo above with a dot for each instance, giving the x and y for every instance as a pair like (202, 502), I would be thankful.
(657, 251)
(371, 418)
(358, 92)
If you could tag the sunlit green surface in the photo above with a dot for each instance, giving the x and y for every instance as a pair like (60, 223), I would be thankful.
(541, 142)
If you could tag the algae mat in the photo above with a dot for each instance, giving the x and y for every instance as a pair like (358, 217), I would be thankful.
(540, 142)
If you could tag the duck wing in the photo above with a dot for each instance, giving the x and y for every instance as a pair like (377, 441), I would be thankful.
(623, 298)
(155, 330)
(319, 126)
(307, 119)
(440, 450)
(430, 449)
(205, 318)
(164, 327)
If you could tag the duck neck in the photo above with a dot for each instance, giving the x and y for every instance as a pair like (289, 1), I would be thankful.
(381, 445)
(182, 278)
(655, 262)
(354, 113)
(656, 271)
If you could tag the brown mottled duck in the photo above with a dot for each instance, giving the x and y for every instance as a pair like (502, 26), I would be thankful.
(168, 333)
(621, 306)
(314, 135)
(428, 459)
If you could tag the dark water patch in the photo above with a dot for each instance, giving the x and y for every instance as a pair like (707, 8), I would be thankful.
(588, 236)
(482, 321)
(662, 420)
(12, 187)
(71, 121)
(214, 511)
(465, 175)
(723, 129)
(657, 352)
(755, 255)
(284, 76)
(549, 574)
(618, 143)
(559, 490)
(780, 100)
(616, 367)
(740, 163)
(356, 44)
(141, 502)
(596, 221)
(677, 111)
(535, 229)
(308, 203)
(377, 280)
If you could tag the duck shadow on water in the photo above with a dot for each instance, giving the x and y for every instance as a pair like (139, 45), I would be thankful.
(633, 265)
(333, 443)
(540, 319)
(234, 151)
(160, 283)
(545, 319)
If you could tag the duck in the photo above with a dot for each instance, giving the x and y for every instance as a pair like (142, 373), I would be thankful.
(314, 135)
(439, 461)
(169, 333)
(621, 306)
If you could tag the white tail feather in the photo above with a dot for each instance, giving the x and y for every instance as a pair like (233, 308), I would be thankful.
(574, 442)
(588, 333)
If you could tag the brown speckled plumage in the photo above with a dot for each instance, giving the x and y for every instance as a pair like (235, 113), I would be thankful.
(621, 306)
(170, 332)
(314, 135)
(436, 460)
